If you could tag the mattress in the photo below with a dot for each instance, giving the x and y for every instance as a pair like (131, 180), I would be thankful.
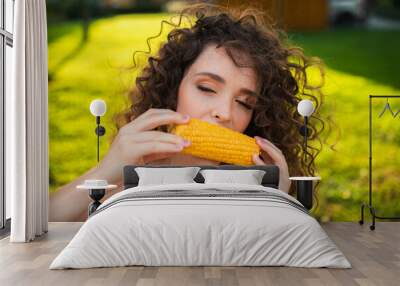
(198, 224)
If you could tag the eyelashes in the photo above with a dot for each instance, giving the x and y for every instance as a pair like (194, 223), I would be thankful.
(206, 89)
(245, 105)
(209, 90)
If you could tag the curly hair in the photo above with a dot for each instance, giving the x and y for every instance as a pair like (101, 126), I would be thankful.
(281, 72)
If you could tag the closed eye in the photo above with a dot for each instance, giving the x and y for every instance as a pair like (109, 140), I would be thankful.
(205, 89)
(247, 106)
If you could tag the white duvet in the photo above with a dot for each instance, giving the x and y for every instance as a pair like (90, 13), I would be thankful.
(269, 228)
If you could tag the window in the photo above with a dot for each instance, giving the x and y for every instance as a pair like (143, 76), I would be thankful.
(6, 44)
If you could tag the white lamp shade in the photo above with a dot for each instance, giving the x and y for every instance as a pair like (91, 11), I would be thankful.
(305, 107)
(98, 107)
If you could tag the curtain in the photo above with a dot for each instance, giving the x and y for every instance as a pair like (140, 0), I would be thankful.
(27, 124)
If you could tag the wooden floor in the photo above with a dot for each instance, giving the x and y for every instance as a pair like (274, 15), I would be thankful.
(375, 256)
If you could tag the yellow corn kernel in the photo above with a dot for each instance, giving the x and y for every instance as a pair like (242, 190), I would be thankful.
(214, 142)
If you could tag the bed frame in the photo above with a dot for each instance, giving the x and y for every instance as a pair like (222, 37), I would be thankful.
(270, 179)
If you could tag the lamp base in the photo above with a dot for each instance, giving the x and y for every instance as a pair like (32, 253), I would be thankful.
(96, 195)
(305, 188)
(305, 193)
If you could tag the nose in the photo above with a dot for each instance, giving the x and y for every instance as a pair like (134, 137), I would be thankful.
(222, 111)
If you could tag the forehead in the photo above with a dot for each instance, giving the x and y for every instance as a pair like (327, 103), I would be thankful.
(216, 60)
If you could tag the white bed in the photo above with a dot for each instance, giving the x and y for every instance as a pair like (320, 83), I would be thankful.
(201, 224)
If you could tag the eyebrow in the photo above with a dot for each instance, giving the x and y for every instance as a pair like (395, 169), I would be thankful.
(222, 80)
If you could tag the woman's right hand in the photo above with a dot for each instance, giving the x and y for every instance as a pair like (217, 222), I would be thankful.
(137, 143)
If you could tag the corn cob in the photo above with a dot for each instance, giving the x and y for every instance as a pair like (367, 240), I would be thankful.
(214, 142)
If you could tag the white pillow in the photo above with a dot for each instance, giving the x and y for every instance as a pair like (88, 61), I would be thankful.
(162, 176)
(249, 177)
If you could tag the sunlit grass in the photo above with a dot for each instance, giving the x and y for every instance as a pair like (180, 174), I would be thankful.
(81, 73)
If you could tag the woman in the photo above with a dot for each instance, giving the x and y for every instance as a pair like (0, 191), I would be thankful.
(229, 68)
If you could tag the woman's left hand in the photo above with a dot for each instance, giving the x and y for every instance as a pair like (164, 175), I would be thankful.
(272, 155)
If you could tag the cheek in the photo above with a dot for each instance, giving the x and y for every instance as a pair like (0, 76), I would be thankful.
(241, 120)
(188, 101)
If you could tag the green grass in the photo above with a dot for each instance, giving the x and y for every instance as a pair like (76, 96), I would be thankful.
(372, 54)
(80, 73)
(359, 63)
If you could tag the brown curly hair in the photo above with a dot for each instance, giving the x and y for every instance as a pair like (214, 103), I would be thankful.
(281, 72)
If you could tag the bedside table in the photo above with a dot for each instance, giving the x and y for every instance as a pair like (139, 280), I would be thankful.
(305, 187)
(97, 190)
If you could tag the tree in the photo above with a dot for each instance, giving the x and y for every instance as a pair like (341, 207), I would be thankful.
(85, 14)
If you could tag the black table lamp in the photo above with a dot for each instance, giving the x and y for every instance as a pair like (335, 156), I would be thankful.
(304, 185)
(98, 108)
(97, 187)
(305, 109)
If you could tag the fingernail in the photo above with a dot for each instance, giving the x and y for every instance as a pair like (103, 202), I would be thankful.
(179, 147)
(186, 143)
(186, 117)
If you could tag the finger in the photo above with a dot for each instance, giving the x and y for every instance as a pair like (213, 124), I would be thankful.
(152, 147)
(155, 119)
(275, 155)
(264, 140)
(145, 136)
(152, 111)
(257, 160)
(266, 158)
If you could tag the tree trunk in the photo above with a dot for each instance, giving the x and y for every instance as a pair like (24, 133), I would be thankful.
(85, 12)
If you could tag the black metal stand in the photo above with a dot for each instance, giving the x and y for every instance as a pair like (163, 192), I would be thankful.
(100, 131)
(96, 195)
(305, 187)
(372, 210)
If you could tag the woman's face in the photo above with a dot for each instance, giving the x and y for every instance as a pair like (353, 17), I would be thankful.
(215, 90)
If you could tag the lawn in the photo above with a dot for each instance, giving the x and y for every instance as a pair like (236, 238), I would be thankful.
(359, 63)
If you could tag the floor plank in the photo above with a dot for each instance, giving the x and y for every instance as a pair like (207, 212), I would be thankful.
(374, 255)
